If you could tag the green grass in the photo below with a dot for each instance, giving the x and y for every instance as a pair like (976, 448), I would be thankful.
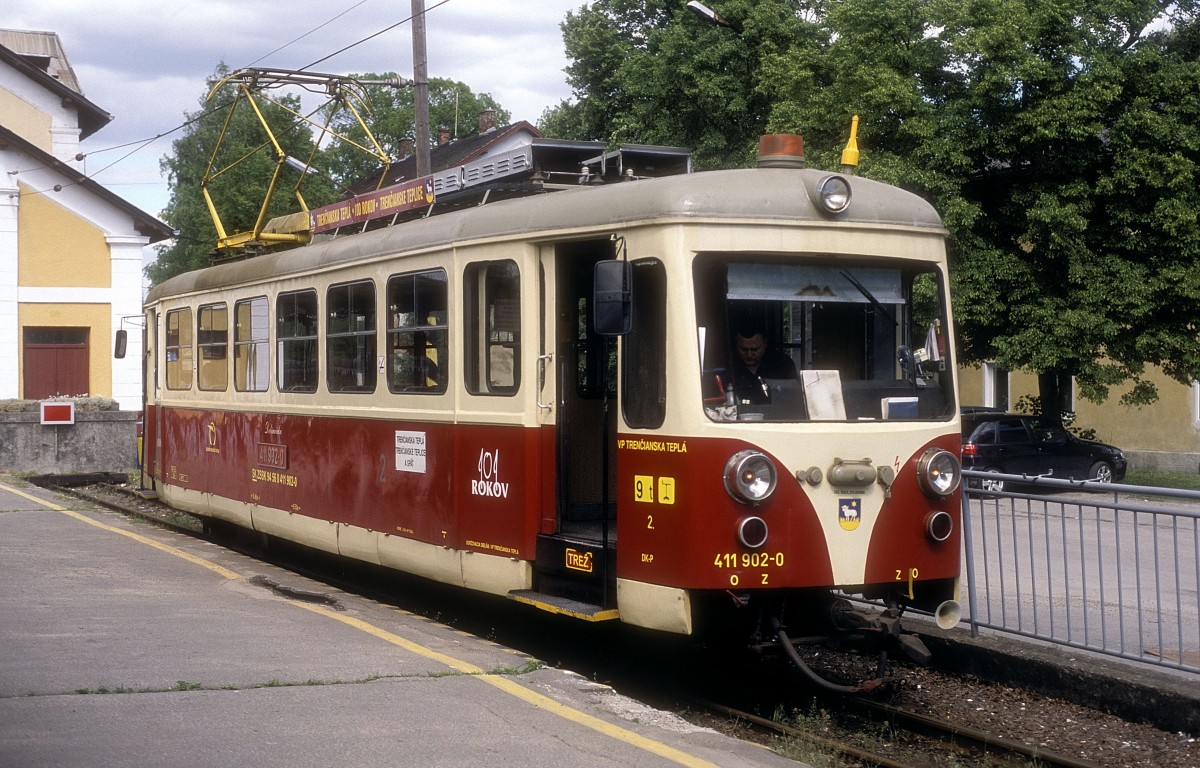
(1184, 480)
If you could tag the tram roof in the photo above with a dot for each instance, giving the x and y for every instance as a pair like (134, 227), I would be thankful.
(758, 194)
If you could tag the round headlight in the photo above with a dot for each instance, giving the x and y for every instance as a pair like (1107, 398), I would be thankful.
(834, 192)
(939, 472)
(749, 476)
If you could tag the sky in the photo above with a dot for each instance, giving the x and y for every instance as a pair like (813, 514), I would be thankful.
(146, 61)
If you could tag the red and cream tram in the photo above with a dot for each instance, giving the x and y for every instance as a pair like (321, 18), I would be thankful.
(454, 396)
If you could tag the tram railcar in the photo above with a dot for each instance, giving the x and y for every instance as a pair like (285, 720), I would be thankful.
(448, 397)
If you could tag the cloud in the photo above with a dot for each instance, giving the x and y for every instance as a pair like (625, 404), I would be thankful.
(145, 61)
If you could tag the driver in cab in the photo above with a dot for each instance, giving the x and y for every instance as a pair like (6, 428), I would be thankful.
(753, 363)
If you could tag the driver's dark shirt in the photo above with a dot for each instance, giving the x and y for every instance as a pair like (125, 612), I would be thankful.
(748, 387)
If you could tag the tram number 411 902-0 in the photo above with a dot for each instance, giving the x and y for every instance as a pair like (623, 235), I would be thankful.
(748, 560)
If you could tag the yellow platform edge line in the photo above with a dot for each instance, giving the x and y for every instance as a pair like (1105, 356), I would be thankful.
(514, 688)
(195, 560)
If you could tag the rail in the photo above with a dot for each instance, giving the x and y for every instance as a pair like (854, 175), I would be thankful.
(1108, 568)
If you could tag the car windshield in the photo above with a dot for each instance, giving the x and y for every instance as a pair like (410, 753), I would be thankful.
(825, 339)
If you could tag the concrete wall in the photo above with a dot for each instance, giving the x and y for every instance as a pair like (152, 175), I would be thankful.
(98, 441)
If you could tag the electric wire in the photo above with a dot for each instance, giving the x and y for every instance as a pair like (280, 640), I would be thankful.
(140, 144)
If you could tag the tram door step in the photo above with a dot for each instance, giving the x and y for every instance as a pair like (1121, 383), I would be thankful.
(573, 568)
(564, 605)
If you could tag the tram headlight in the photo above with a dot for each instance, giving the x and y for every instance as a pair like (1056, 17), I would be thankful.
(834, 193)
(749, 476)
(939, 472)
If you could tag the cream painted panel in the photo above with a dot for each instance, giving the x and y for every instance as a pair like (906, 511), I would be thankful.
(654, 606)
(494, 574)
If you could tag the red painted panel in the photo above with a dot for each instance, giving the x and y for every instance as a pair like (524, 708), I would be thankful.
(898, 541)
(499, 494)
(690, 539)
(149, 439)
(470, 487)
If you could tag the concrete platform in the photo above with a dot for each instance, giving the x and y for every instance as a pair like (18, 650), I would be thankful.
(123, 644)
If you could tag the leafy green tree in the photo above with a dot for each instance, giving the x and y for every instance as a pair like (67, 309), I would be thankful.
(389, 113)
(649, 72)
(238, 192)
(1060, 139)
(1085, 172)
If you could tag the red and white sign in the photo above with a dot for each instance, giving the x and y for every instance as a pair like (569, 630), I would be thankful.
(58, 413)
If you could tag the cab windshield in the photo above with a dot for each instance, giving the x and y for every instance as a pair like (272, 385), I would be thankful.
(821, 339)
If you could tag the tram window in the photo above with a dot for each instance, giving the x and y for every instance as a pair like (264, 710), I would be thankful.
(178, 349)
(350, 338)
(416, 333)
(492, 307)
(644, 386)
(212, 339)
(296, 339)
(251, 349)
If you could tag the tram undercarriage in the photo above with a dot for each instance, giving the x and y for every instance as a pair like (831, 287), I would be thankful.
(799, 626)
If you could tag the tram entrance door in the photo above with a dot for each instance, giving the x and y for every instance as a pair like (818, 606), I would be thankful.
(576, 551)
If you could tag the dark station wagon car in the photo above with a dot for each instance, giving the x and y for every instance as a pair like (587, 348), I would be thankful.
(1019, 444)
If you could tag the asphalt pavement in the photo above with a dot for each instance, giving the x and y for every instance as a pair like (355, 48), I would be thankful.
(125, 644)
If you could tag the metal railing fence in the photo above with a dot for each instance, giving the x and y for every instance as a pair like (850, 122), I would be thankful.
(1105, 567)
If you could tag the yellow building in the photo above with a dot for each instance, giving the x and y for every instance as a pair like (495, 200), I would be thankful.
(1162, 436)
(70, 250)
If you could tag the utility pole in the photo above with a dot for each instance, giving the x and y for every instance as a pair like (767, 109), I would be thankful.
(420, 88)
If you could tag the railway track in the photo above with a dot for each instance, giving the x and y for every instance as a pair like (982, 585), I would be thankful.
(654, 671)
(971, 742)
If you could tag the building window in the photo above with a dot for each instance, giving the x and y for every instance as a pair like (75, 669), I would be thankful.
(296, 337)
(995, 387)
(178, 349)
(350, 337)
(212, 338)
(418, 360)
(1196, 405)
(492, 307)
(251, 348)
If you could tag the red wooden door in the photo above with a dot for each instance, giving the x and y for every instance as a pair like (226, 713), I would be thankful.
(56, 363)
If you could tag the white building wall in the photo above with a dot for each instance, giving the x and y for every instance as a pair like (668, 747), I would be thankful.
(10, 201)
(126, 299)
(64, 120)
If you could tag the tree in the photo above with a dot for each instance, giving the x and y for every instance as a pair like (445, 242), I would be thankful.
(1085, 173)
(389, 113)
(651, 73)
(1060, 139)
(238, 192)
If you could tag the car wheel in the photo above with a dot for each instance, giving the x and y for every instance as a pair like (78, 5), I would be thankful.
(1100, 473)
(989, 485)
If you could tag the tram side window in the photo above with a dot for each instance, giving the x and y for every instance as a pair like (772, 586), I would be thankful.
(251, 349)
(644, 384)
(417, 331)
(350, 338)
(492, 306)
(296, 338)
(212, 338)
(178, 349)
